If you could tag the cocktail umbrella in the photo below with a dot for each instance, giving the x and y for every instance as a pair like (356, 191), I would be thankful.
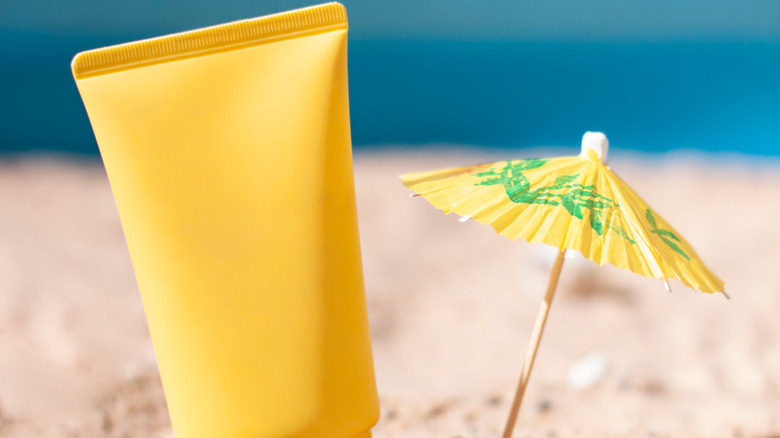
(575, 203)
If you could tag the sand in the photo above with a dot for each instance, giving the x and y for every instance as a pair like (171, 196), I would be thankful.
(451, 307)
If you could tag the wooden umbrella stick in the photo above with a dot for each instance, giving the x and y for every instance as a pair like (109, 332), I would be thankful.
(536, 337)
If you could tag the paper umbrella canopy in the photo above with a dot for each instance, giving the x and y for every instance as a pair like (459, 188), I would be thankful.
(575, 203)
(570, 203)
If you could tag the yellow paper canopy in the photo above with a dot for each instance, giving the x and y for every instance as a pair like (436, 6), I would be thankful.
(573, 203)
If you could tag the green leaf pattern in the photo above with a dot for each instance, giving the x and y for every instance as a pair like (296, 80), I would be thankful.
(666, 236)
(650, 218)
(573, 197)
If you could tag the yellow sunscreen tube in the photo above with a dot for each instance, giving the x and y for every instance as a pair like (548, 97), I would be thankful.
(228, 153)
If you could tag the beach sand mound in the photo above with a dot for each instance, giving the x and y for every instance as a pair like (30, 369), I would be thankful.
(451, 306)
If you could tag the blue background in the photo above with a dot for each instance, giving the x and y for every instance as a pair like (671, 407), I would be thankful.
(654, 76)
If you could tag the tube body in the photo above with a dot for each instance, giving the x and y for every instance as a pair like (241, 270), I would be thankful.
(228, 153)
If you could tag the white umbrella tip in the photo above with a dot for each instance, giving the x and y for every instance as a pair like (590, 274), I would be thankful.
(595, 143)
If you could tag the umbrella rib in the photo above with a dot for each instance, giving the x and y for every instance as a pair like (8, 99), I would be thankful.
(471, 197)
(640, 234)
(658, 258)
(685, 276)
(570, 228)
(508, 211)
(525, 225)
(624, 245)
